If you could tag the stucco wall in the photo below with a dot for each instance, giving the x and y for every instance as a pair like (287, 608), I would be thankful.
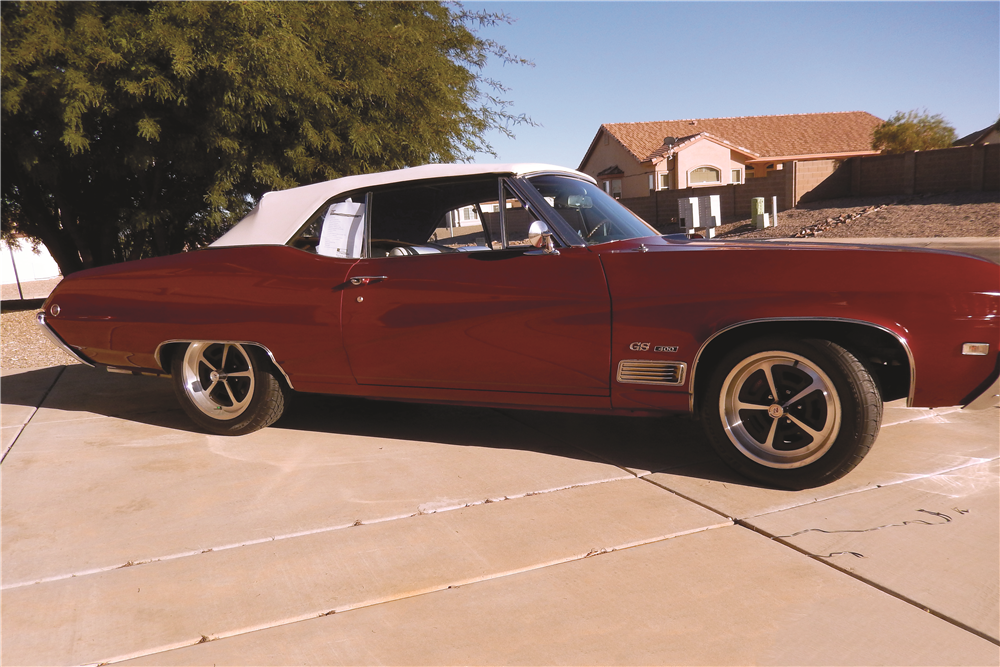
(705, 154)
(635, 179)
(608, 152)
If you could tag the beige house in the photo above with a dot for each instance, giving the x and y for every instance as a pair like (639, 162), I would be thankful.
(987, 135)
(636, 159)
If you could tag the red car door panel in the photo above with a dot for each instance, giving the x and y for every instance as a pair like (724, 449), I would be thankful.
(488, 320)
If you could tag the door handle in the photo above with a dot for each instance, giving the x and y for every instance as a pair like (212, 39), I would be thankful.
(364, 280)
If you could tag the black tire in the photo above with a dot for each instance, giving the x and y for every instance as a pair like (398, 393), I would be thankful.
(822, 423)
(227, 388)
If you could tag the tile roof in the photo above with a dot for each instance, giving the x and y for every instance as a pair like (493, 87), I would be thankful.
(766, 136)
(665, 150)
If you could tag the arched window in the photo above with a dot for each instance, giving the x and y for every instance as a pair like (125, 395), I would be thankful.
(703, 175)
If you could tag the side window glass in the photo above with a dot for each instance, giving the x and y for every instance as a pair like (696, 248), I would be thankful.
(421, 218)
(444, 216)
(335, 230)
(472, 227)
(481, 226)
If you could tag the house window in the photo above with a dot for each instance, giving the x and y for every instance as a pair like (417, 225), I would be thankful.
(616, 188)
(703, 175)
(665, 180)
(737, 178)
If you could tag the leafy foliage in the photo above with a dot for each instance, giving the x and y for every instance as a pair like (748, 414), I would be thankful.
(132, 129)
(913, 131)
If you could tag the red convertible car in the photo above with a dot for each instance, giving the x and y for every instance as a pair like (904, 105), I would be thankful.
(526, 286)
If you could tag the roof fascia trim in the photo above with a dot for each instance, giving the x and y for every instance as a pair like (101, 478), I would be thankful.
(814, 156)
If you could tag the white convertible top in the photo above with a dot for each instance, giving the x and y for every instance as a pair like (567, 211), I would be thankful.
(280, 214)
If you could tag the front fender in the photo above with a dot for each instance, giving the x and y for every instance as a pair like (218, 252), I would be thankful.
(681, 297)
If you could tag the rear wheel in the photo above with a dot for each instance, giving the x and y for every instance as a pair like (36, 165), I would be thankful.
(790, 413)
(227, 388)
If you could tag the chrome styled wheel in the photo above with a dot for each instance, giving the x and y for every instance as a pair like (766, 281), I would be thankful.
(228, 388)
(780, 409)
(791, 413)
(218, 378)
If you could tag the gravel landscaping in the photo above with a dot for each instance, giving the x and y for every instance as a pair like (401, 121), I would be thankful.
(957, 214)
(24, 344)
(952, 215)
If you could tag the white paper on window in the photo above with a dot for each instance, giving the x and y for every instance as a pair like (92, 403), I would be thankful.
(343, 230)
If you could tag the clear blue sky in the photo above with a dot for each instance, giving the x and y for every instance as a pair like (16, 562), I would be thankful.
(610, 62)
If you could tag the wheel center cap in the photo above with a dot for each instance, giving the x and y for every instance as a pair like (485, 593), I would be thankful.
(775, 411)
(214, 376)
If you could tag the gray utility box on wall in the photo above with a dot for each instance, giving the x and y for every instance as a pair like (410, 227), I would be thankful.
(759, 217)
(699, 215)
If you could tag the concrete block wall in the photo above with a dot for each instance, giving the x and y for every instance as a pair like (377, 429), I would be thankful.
(879, 175)
(941, 171)
(820, 179)
(967, 168)
(991, 167)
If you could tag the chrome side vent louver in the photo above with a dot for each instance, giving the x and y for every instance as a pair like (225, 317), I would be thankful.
(644, 371)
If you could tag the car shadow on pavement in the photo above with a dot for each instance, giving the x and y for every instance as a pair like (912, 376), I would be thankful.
(638, 444)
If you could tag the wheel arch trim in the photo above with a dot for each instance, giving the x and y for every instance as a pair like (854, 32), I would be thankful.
(188, 341)
(736, 325)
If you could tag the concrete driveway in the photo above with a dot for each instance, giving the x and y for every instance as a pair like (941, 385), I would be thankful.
(358, 532)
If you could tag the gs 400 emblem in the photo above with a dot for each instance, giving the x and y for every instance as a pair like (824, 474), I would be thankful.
(644, 347)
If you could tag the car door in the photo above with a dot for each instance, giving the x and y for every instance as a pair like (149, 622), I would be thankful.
(491, 315)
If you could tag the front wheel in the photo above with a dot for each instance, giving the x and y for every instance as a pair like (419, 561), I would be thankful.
(227, 388)
(789, 413)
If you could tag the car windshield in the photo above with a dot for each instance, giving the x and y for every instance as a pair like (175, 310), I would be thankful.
(595, 216)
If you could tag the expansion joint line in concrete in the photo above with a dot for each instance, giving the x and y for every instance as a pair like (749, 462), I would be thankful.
(32, 416)
(851, 492)
(691, 500)
(303, 533)
(781, 539)
(417, 593)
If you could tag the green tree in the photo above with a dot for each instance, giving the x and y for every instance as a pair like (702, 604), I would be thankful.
(134, 129)
(913, 131)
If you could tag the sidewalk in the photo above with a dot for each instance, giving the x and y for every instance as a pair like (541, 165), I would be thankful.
(364, 532)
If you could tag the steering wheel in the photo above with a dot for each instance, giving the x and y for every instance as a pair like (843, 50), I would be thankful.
(602, 224)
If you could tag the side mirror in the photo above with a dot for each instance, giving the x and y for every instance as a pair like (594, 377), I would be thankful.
(539, 234)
